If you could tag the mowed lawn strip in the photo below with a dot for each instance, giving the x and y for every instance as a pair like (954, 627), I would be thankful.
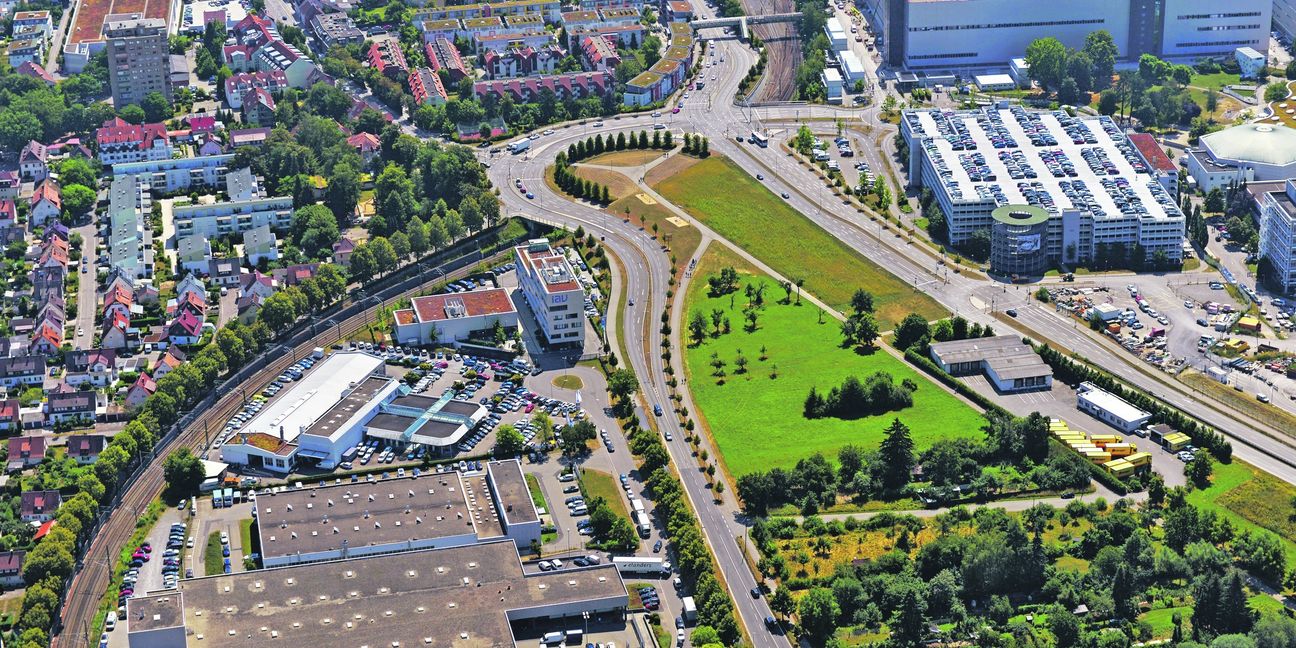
(757, 420)
(600, 484)
(738, 207)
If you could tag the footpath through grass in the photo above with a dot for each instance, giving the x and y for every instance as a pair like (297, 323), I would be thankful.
(717, 192)
(756, 419)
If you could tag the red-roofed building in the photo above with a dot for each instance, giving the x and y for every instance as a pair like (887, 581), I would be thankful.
(40, 506)
(574, 85)
(10, 419)
(85, 448)
(11, 564)
(426, 87)
(118, 299)
(386, 57)
(26, 451)
(1159, 164)
(238, 85)
(8, 212)
(599, 53)
(443, 55)
(185, 328)
(169, 362)
(367, 144)
(455, 316)
(46, 203)
(116, 331)
(121, 141)
(258, 108)
(35, 71)
(139, 392)
(33, 161)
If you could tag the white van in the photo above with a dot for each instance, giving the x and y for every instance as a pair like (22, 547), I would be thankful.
(552, 638)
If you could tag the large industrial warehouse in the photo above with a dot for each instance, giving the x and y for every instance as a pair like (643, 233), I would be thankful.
(390, 515)
(460, 596)
(978, 34)
(343, 400)
(1072, 188)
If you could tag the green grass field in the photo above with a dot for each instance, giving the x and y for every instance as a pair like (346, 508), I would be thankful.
(1217, 80)
(765, 226)
(757, 421)
(596, 483)
(1162, 620)
(213, 562)
(1250, 498)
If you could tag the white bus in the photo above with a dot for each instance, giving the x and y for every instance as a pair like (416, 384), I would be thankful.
(759, 140)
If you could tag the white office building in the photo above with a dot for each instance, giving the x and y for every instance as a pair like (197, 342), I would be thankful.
(553, 292)
(1098, 193)
(972, 34)
(1278, 234)
(1110, 408)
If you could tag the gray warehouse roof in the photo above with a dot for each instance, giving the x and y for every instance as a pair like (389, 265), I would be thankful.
(438, 598)
(1003, 354)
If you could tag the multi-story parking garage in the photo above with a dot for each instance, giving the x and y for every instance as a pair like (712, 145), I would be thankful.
(1100, 195)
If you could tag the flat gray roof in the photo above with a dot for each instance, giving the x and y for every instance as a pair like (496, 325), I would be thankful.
(511, 489)
(341, 411)
(439, 598)
(154, 612)
(364, 513)
(1006, 355)
(301, 403)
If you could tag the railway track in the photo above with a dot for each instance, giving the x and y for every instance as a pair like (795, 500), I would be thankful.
(783, 50)
(94, 572)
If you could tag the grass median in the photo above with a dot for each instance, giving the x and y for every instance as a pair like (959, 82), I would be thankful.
(767, 227)
(756, 416)
(213, 561)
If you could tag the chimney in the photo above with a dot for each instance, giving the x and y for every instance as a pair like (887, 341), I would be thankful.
(281, 433)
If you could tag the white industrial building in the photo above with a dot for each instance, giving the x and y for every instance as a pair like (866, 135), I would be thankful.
(979, 34)
(335, 406)
(468, 595)
(553, 292)
(1278, 234)
(832, 80)
(1110, 408)
(1245, 153)
(454, 317)
(1008, 364)
(1095, 189)
(433, 510)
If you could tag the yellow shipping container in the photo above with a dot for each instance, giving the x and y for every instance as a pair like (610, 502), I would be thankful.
(1101, 439)
(1176, 444)
(1119, 467)
(1139, 459)
(1099, 457)
(1120, 449)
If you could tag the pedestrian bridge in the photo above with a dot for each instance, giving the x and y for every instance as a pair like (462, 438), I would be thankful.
(741, 22)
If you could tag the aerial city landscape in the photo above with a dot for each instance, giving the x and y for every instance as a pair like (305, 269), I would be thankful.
(709, 323)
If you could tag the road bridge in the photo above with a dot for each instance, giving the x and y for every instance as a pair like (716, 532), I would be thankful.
(741, 22)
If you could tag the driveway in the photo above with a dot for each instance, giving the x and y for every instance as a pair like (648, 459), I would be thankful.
(87, 290)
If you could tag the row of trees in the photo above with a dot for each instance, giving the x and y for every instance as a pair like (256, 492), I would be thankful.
(597, 145)
(578, 187)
